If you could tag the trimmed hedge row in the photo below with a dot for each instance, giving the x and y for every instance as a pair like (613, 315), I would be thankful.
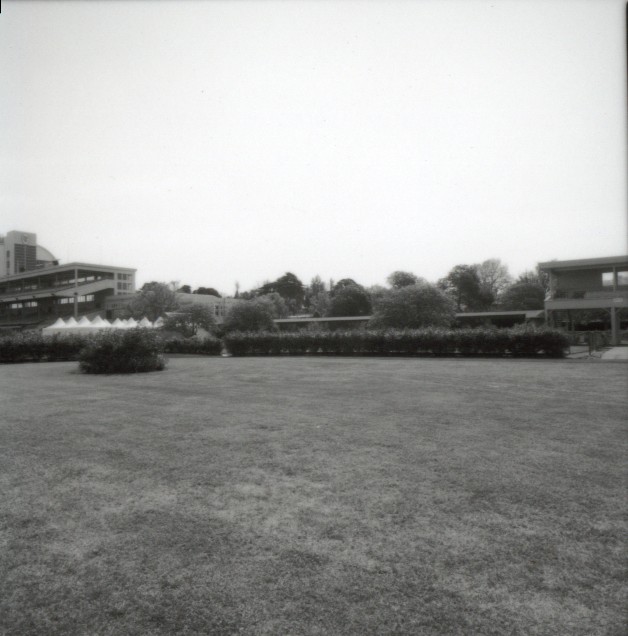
(207, 346)
(517, 342)
(33, 347)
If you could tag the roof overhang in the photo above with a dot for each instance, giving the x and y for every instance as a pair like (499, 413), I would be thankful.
(586, 263)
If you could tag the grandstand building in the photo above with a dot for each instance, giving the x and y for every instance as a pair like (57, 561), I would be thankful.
(35, 289)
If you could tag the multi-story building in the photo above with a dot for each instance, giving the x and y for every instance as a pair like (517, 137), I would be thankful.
(590, 284)
(35, 289)
(20, 253)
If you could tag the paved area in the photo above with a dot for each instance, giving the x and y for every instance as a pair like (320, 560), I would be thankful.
(616, 353)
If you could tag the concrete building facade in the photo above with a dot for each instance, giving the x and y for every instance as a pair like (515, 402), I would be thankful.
(588, 284)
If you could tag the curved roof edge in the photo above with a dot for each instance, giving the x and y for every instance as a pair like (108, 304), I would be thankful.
(44, 255)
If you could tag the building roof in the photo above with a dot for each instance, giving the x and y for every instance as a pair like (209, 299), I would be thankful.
(305, 319)
(66, 267)
(586, 263)
(45, 255)
(528, 313)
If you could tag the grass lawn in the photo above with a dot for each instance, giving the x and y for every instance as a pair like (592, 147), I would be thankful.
(314, 496)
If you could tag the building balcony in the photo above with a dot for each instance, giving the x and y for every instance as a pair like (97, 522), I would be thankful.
(574, 299)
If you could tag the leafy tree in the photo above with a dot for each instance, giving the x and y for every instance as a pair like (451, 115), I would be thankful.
(350, 300)
(314, 292)
(523, 295)
(398, 279)
(185, 289)
(341, 284)
(413, 307)
(207, 291)
(463, 286)
(153, 300)
(188, 319)
(536, 276)
(289, 287)
(277, 305)
(494, 277)
(316, 285)
(250, 315)
(319, 304)
(376, 292)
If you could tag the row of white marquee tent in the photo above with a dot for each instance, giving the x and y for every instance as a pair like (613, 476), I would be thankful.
(85, 325)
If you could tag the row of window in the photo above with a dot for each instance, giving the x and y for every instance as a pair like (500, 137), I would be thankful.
(82, 299)
(608, 279)
(60, 301)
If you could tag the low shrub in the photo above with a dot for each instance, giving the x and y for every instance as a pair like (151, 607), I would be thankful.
(130, 351)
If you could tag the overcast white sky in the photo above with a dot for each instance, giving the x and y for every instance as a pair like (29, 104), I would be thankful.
(214, 142)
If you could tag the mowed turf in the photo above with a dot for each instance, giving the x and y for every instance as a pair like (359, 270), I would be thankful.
(314, 496)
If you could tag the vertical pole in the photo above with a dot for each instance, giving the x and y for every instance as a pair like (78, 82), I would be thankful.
(76, 294)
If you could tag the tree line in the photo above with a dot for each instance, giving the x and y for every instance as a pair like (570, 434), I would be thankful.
(408, 300)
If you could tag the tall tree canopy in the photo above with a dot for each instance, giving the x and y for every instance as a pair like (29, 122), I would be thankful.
(412, 307)
(494, 277)
(343, 282)
(350, 300)
(463, 286)
(153, 300)
(289, 287)
(207, 291)
(316, 297)
(316, 285)
(399, 279)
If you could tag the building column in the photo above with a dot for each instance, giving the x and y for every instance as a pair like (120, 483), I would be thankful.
(615, 337)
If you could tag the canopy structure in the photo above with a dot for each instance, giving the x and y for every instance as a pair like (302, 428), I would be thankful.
(98, 324)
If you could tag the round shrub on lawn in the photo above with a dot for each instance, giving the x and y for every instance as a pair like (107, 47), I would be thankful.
(133, 351)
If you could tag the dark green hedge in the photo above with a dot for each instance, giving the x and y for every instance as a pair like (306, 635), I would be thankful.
(516, 342)
(33, 347)
(130, 351)
(207, 346)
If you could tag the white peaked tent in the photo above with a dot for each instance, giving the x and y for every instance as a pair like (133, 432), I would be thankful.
(59, 324)
(84, 325)
(99, 323)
